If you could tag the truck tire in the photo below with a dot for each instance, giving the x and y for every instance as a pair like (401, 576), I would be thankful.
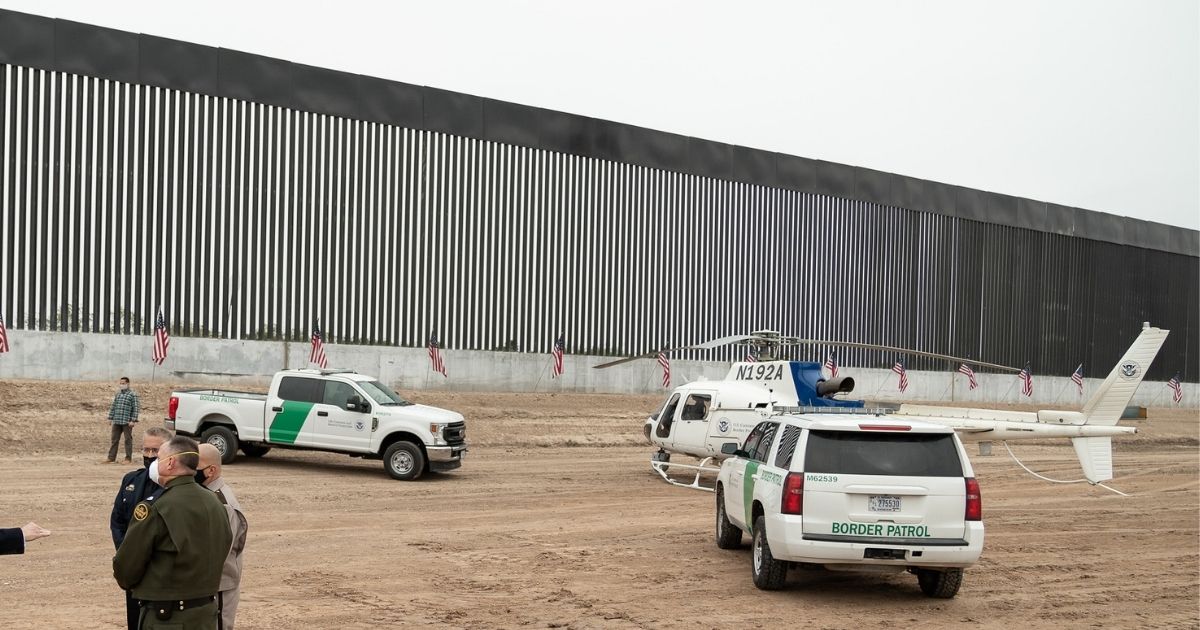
(728, 534)
(769, 573)
(940, 584)
(255, 450)
(404, 461)
(225, 441)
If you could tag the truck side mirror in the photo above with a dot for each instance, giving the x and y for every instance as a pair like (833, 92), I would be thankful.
(355, 403)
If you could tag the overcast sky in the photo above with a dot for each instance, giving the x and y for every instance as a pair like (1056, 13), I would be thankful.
(1088, 103)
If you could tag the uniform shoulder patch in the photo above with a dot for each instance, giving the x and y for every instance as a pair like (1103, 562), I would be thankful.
(141, 511)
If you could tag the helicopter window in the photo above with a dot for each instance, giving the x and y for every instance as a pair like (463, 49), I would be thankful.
(764, 445)
(667, 417)
(787, 446)
(696, 407)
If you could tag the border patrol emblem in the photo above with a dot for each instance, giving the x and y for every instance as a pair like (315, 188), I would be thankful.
(141, 512)
(723, 426)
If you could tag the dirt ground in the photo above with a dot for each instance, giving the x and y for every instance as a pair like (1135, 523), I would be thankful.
(556, 520)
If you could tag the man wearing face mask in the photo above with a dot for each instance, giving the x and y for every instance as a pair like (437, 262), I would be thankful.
(209, 476)
(176, 545)
(122, 414)
(135, 487)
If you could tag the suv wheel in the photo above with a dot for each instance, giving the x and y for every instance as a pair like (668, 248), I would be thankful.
(224, 440)
(728, 534)
(941, 584)
(769, 573)
(404, 461)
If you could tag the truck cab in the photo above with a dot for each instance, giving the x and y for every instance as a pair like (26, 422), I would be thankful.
(325, 410)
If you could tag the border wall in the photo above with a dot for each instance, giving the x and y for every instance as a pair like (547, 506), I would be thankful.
(250, 197)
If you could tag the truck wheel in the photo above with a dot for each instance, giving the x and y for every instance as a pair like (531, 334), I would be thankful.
(940, 584)
(225, 441)
(255, 450)
(728, 534)
(404, 461)
(769, 573)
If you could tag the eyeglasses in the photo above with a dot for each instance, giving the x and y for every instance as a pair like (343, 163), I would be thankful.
(149, 451)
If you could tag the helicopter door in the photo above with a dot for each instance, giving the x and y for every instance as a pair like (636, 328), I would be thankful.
(666, 418)
(692, 432)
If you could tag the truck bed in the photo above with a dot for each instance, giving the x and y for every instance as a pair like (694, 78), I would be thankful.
(224, 393)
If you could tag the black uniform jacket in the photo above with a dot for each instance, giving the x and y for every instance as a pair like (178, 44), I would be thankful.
(12, 541)
(135, 488)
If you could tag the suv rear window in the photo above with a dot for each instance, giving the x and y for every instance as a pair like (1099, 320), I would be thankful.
(908, 454)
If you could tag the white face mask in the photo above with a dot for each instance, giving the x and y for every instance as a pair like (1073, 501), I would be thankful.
(154, 472)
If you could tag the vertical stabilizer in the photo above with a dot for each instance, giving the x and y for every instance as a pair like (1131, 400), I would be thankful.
(1107, 404)
(1095, 457)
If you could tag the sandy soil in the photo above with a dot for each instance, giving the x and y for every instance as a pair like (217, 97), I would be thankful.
(556, 521)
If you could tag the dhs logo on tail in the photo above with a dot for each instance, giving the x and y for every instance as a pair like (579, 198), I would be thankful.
(1130, 370)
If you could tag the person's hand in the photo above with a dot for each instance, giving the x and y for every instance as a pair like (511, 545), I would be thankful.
(33, 531)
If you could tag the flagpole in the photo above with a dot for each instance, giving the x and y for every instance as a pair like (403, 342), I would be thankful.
(949, 387)
(1060, 393)
(1011, 385)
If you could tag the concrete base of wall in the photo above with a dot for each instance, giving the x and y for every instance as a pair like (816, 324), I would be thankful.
(84, 356)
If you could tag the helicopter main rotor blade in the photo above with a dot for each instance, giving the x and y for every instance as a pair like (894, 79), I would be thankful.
(723, 341)
(625, 360)
(919, 353)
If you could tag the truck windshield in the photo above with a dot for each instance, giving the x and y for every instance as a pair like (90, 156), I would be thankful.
(381, 393)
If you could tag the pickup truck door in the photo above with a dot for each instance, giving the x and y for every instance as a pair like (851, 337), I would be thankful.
(338, 427)
(289, 413)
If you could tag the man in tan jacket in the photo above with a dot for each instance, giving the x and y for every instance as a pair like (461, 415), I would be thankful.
(231, 576)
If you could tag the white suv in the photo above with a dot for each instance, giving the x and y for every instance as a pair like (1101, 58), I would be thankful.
(851, 493)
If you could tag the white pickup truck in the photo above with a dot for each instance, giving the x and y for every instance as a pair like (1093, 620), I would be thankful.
(324, 410)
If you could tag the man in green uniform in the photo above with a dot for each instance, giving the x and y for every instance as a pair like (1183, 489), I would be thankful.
(176, 545)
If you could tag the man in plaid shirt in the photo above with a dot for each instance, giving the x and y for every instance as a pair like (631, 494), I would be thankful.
(123, 414)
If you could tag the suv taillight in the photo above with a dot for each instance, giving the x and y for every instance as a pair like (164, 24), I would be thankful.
(974, 501)
(172, 407)
(793, 494)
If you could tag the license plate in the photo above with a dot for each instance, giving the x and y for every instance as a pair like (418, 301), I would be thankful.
(883, 503)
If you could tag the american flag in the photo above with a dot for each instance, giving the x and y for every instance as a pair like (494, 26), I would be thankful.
(3, 336)
(1173, 383)
(435, 356)
(899, 369)
(557, 353)
(318, 347)
(1026, 376)
(966, 369)
(751, 357)
(1077, 376)
(831, 364)
(162, 340)
(666, 366)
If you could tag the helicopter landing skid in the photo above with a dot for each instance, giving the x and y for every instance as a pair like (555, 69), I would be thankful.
(702, 468)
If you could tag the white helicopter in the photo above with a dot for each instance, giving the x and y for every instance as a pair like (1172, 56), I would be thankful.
(698, 417)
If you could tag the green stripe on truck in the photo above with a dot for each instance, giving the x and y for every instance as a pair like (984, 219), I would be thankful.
(287, 423)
